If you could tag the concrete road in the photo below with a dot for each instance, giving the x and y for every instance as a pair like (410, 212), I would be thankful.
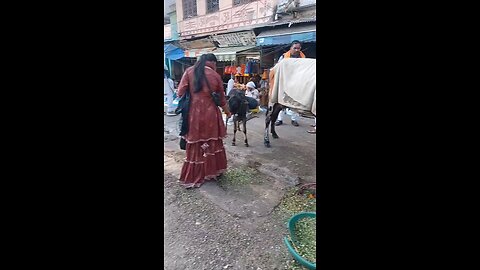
(214, 227)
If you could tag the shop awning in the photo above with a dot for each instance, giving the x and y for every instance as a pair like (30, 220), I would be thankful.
(304, 33)
(172, 52)
(229, 53)
(197, 52)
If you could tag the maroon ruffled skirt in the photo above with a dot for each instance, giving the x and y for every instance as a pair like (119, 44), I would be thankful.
(205, 161)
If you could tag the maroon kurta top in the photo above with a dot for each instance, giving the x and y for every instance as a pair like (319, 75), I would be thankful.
(205, 119)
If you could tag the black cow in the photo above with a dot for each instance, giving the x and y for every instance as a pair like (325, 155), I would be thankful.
(238, 104)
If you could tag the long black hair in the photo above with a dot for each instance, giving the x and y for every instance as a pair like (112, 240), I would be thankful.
(199, 70)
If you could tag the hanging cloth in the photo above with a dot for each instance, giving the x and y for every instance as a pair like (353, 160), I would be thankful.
(248, 68)
(254, 68)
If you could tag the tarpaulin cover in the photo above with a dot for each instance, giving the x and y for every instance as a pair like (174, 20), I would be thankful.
(173, 52)
(285, 35)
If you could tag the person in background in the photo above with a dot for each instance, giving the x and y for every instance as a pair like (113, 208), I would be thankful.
(264, 91)
(205, 155)
(253, 97)
(256, 80)
(294, 52)
(168, 91)
(230, 84)
(314, 130)
(252, 91)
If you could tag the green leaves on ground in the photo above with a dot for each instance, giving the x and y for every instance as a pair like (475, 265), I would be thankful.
(239, 177)
(294, 203)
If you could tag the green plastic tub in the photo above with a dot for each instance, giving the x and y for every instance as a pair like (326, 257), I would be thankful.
(291, 227)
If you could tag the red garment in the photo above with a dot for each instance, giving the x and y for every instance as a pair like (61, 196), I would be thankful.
(243, 67)
(205, 154)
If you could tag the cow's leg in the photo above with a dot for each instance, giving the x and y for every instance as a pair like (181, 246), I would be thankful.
(244, 111)
(275, 111)
(226, 124)
(266, 136)
(235, 123)
(244, 121)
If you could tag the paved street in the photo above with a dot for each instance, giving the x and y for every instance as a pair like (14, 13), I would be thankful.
(214, 227)
(294, 151)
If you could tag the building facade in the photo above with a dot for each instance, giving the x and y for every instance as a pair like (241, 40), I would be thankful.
(170, 29)
(241, 31)
(204, 17)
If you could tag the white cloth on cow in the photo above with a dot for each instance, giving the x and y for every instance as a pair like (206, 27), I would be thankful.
(295, 84)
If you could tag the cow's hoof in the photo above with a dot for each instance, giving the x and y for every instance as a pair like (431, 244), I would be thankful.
(246, 144)
(267, 144)
(275, 136)
(233, 143)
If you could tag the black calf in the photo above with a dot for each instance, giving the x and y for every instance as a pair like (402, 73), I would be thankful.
(238, 106)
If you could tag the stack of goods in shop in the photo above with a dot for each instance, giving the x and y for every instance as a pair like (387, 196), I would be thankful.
(240, 86)
(230, 70)
(240, 75)
(243, 72)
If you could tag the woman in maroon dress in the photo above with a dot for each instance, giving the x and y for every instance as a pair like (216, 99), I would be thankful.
(205, 154)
